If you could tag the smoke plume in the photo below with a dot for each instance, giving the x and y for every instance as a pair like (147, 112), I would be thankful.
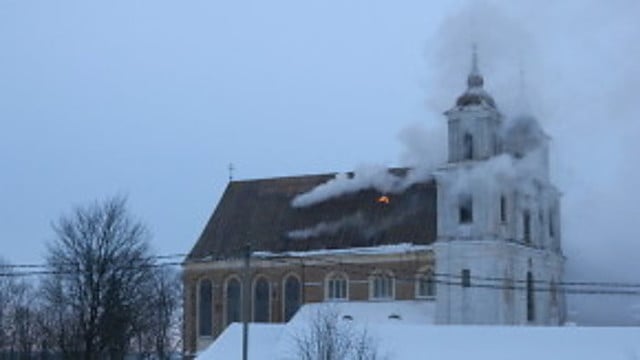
(425, 149)
(581, 82)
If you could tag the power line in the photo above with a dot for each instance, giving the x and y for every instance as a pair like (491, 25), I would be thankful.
(368, 270)
(364, 270)
(372, 268)
(78, 272)
(48, 265)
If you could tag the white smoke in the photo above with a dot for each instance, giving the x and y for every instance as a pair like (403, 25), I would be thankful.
(425, 144)
(425, 149)
(358, 222)
(521, 173)
(328, 228)
(364, 177)
(522, 134)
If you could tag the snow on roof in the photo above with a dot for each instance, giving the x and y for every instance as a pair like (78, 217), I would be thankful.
(412, 335)
(369, 250)
(372, 312)
(228, 345)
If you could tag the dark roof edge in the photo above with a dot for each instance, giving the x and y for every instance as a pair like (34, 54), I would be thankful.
(393, 169)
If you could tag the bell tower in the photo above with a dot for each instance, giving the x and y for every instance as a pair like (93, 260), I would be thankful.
(474, 122)
(498, 250)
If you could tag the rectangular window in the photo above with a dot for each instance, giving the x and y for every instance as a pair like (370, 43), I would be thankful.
(467, 145)
(466, 278)
(383, 287)
(503, 209)
(531, 307)
(552, 231)
(337, 288)
(526, 226)
(426, 286)
(465, 209)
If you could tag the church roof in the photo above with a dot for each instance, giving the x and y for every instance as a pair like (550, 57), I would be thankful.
(261, 211)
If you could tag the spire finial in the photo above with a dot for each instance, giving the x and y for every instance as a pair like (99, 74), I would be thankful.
(231, 168)
(474, 79)
(522, 100)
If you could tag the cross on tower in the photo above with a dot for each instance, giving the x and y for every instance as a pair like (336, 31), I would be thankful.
(231, 168)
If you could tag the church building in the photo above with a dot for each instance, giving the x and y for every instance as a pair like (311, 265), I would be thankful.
(475, 241)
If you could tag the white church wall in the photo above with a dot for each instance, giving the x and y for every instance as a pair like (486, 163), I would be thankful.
(497, 292)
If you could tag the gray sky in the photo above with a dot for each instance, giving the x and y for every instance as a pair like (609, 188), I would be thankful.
(153, 98)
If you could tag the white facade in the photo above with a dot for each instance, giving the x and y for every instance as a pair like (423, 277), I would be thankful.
(498, 253)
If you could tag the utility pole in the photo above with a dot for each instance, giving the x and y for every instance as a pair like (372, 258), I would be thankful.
(246, 293)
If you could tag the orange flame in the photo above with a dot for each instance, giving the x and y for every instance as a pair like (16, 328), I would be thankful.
(384, 199)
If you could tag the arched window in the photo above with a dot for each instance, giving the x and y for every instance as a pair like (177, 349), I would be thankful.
(467, 146)
(381, 286)
(233, 302)
(291, 297)
(261, 300)
(337, 287)
(425, 285)
(205, 308)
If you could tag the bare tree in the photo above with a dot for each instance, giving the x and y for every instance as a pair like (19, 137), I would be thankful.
(23, 320)
(100, 260)
(19, 330)
(330, 337)
(6, 285)
(160, 331)
(167, 318)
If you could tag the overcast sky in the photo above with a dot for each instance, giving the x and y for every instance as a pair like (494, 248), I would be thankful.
(153, 99)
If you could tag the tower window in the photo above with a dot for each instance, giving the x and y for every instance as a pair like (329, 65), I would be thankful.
(503, 209)
(465, 209)
(467, 146)
(526, 226)
(531, 308)
(466, 278)
(552, 231)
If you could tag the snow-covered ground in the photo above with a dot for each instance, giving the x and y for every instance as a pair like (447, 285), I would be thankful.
(410, 335)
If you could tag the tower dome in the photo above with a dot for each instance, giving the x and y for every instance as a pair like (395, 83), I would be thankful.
(475, 93)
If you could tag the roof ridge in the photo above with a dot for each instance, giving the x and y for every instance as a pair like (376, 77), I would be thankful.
(315, 175)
